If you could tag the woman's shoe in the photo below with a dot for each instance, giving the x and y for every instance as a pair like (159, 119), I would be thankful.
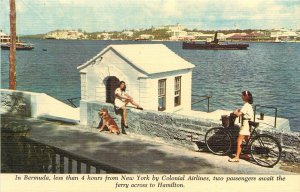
(233, 160)
(140, 108)
(245, 156)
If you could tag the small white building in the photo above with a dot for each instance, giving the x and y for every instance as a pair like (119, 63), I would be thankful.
(105, 36)
(145, 37)
(128, 33)
(4, 38)
(155, 76)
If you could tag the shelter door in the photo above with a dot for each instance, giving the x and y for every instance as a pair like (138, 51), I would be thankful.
(112, 84)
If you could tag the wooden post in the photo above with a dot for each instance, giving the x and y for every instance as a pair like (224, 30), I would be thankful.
(12, 52)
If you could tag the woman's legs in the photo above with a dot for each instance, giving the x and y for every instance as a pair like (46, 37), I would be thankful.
(124, 113)
(124, 109)
(133, 102)
(239, 146)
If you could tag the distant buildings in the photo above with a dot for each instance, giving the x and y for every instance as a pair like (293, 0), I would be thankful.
(104, 36)
(204, 37)
(266, 36)
(128, 33)
(285, 34)
(145, 37)
(177, 27)
(179, 33)
(254, 36)
(4, 39)
(65, 34)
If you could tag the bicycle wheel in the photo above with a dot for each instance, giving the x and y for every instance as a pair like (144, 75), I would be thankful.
(218, 141)
(265, 150)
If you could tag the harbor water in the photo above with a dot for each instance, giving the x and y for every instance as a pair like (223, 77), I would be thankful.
(269, 70)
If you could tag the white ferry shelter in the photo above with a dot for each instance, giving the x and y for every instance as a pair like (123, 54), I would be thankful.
(155, 76)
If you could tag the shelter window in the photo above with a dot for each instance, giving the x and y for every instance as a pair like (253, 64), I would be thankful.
(162, 95)
(177, 88)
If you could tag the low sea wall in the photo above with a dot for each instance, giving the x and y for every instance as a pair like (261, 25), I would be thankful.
(31, 104)
(177, 129)
(171, 128)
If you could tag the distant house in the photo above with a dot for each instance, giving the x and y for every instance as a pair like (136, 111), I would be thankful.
(4, 38)
(254, 36)
(105, 36)
(179, 35)
(145, 37)
(128, 33)
(155, 76)
(177, 27)
(204, 37)
(285, 34)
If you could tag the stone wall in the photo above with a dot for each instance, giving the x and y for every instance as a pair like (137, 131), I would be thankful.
(290, 142)
(179, 130)
(159, 126)
(30, 104)
(16, 103)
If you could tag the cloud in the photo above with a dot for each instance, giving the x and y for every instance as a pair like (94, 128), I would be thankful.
(171, 9)
(246, 14)
(162, 9)
(98, 15)
(21, 7)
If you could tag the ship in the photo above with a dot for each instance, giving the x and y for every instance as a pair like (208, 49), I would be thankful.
(19, 46)
(214, 45)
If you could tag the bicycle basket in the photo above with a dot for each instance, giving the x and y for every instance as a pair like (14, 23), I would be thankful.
(228, 121)
(225, 121)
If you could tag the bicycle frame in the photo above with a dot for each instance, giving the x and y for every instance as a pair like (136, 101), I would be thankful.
(253, 133)
(264, 149)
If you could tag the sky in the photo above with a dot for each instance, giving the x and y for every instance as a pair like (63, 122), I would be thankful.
(42, 16)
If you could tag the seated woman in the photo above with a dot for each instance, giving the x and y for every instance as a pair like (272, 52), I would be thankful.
(122, 99)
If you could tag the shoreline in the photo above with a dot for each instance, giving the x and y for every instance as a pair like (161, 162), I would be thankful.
(160, 40)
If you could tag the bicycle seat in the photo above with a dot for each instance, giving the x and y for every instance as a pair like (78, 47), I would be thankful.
(253, 124)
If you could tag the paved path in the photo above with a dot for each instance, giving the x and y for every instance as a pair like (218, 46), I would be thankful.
(133, 153)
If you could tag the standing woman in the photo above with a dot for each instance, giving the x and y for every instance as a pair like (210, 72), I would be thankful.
(246, 112)
(122, 99)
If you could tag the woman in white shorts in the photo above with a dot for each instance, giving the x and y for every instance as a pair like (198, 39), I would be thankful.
(122, 99)
(246, 112)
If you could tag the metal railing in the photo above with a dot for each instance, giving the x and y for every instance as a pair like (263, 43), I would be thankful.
(269, 107)
(206, 97)
(65, 162)
(35, 157)
(71, 101)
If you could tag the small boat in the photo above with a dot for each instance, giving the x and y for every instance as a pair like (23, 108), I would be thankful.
(19, 46)
(214, 45)
(277, 40)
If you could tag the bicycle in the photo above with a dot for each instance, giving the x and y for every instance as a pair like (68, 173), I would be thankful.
(265, 150)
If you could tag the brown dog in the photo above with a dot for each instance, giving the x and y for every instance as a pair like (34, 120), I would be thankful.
(108, 121)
